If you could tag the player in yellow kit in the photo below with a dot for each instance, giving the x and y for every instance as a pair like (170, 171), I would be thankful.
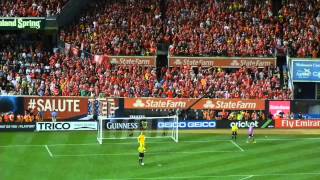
(141, 150)
(141, 139)
(234, 130)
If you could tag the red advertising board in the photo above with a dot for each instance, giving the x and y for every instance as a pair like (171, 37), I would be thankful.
(66, 107)
(296, 124)
(183, 103)
(228, 62)
(279, 106)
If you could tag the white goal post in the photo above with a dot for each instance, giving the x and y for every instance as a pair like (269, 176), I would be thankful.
(131, 127)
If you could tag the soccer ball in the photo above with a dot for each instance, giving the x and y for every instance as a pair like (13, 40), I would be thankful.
(142, 164)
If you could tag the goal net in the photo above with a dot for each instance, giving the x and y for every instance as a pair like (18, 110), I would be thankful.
(123, 128)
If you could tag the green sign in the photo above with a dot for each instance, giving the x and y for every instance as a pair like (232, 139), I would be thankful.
(21, 23)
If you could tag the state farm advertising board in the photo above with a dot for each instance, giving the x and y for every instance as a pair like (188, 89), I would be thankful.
(133, 60)
(296, 124)
(184, 103)
(230, 62)
(68, 108)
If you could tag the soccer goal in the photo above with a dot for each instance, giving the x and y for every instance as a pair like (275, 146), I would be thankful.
(125, 128)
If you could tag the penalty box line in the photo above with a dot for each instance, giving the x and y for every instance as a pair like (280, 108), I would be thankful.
(160, 142)
(242, 177)
(151, 153)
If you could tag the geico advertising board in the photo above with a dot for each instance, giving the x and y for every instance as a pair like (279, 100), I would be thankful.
(66, 126)
(188, 125)
(245, 124)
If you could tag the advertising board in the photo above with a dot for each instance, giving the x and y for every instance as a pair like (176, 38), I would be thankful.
(17, 127)
(66, 126)
(245, 124)
(305, 70)
(297, 124)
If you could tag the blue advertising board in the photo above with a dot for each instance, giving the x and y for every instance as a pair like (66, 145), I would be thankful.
(306, 70)
(188, 124)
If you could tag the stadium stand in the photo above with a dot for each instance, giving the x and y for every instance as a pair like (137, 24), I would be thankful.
(301, 27)
(118, 28)
(30, 8)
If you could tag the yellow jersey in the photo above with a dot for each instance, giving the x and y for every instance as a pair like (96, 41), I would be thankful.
(141, 149)
(234, 128)
(141, 139)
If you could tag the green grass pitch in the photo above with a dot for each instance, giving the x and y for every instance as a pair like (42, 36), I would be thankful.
(77, 155)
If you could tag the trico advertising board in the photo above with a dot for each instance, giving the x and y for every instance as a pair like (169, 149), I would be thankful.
(66, 126)
(306, 70)
(183, 103)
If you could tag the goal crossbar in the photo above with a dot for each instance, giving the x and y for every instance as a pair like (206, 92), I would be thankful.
(119, 127)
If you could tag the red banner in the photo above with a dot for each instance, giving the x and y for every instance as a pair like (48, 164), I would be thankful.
(66, 107)
(296, 124)
(230, 62)
(183, 103)
(279, 106)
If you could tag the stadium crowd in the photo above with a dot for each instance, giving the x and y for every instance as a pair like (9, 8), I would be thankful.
(198, 28)
(135, 27)
(30, 8)
(118, 28)
(28, 71)
(301, 27)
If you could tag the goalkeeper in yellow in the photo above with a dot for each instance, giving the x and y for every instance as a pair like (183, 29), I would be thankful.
(141, 148)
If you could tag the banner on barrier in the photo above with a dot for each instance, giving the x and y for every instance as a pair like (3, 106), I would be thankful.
(296, 124)
(187, 124)
(227, 62)
(17, 23)
(276, 107)
(17, 126)
(67, 108)
(183, 103)
(245, 124)
(66, 126)
(134, 60)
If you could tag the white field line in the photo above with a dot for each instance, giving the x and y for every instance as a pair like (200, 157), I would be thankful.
(130, 154)
(50, 153)
(160, 142)
(248, 177)
(236, 145)
(107, 143)
(219, 176)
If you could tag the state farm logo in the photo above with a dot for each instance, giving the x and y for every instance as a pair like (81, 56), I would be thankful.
(235, 63)
(155, 103)
(208, 105)
(178, 62)
(114, 61)
(138, 103)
